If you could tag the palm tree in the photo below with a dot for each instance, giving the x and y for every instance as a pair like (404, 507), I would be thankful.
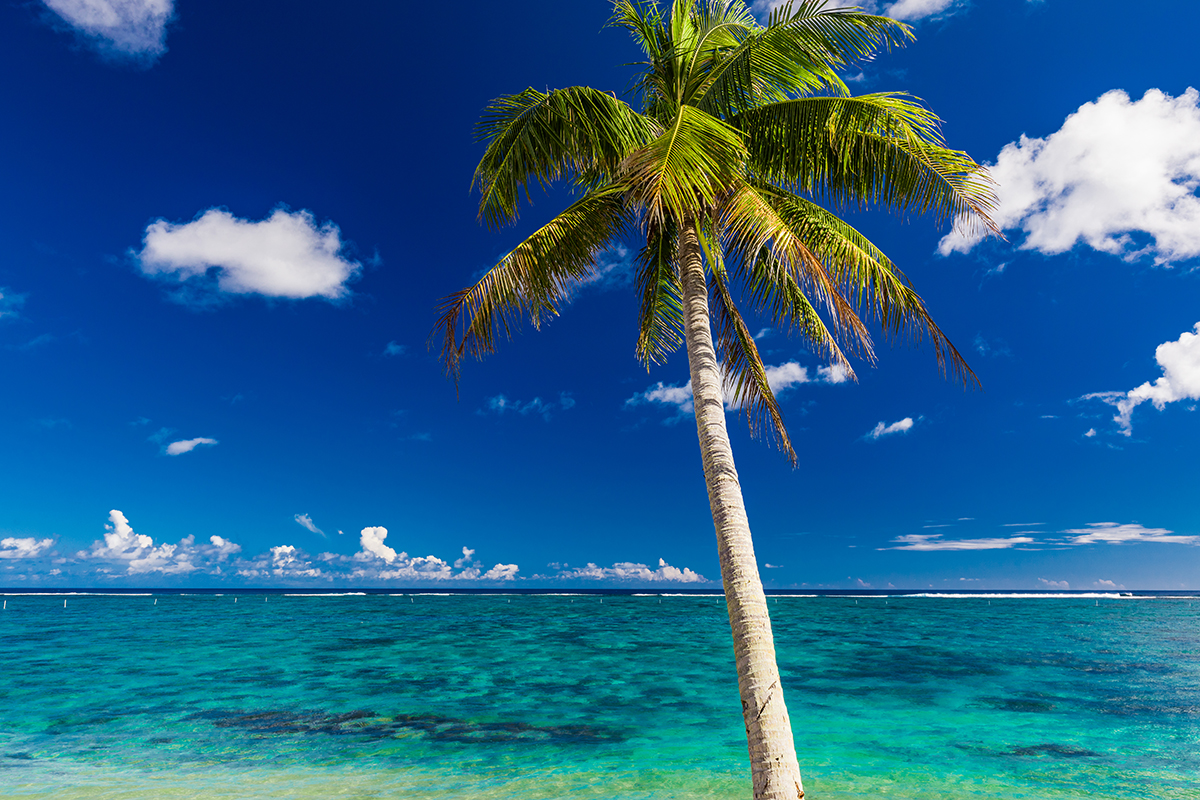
(746, 138)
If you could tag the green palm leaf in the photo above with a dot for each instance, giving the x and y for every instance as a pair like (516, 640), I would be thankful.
(532, 281)
(577, 133)
(867, 276)
(745, 374)
(880, 149)
(660, 329)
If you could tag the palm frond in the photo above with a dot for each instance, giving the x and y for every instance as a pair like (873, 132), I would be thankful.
(755, 232)
(847, 35)
(660, 328)
(644, 22)
(745, 375)
(577, 132)
(867, 277)
(880, 149)
(798, 54)
(530, 282)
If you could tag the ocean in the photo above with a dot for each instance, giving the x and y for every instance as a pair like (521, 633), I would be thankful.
(615, 696)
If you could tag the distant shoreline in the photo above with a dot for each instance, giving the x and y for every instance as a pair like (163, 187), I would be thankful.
(882, 594)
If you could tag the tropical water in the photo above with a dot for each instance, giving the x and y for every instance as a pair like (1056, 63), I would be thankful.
(497, 697)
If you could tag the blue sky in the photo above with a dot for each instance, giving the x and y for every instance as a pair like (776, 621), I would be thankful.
(227, 227)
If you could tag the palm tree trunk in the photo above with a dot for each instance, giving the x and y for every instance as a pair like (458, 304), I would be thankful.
(773, 765)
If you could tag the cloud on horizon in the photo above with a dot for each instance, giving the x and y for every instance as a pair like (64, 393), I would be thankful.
(24, 547)
(627, 571)
(139, 554)
(1114, 169)
(134, 29)
(286, 255)
(1180, 363)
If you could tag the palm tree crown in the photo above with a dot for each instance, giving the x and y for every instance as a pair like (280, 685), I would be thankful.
(747, 132)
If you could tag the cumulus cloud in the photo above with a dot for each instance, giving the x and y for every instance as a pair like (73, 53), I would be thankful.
(285, 255)
(1114, 169)
(883, 429)
(283, 562)
(140, 555)
(372, 543)
(1116, 533)
(905, 10)
(400, 566)
(134, 28)
(780, 377)
(500, 572)
(1105, 584)
(935, 541)
(28, 547)
(187, 445)
(627, 571)
(1054, 584)
(306, 521)
(500, 404)
(1180, 363)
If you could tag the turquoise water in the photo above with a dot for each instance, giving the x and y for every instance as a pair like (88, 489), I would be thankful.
(570, 697)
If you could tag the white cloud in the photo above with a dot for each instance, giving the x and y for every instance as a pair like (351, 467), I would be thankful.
(402, 566)
(285, 255)
(135, 28)
(1054, 584)
(140, 555)
(934, 541)
(780, 377)
(884, 429)
(630, 571)
(28, 547)
(1115, 168)
(913, 10)
(500, 572)
(834, 373)
(306, 521)
(284, 561)
(1103, 584)
(1090, 433)
(1116, 533)
(773, 566)
(187, 445)
(393, 349)
(372, 542)
(1180, 363)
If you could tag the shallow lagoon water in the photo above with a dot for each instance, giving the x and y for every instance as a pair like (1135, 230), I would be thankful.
(553, 696)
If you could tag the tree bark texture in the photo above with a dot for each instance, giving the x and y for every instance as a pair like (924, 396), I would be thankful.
(773, 765)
